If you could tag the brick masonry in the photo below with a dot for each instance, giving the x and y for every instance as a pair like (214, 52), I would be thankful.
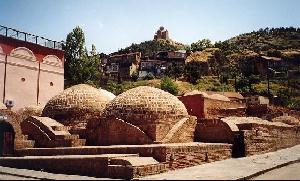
(76, 105)
(258, 135)
(174, 155)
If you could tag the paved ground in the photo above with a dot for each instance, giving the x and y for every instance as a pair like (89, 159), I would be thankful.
(232, 169)
(7, 173)
(290, 172)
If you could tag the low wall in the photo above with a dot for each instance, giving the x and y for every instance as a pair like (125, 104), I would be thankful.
(249, 136)
(257, 110)
(21, 140)
(260, 139)
(90, 166)
(175, 155)
(203, 107)
(194, 105)
(217, 108)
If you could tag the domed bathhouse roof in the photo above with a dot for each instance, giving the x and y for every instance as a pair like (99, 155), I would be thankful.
(76, 104)
(80, 98)
(145, 104)
(143, 115)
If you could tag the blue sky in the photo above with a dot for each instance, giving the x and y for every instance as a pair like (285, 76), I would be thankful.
(115, 24)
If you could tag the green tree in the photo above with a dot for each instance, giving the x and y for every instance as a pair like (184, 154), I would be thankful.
(80, 67)
(175, 71)
(168, 85)
(201, 45)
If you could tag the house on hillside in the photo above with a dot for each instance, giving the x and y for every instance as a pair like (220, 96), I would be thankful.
(207, 61)
(177, 57)
(121, 67)
(262, 65)
(150, 67)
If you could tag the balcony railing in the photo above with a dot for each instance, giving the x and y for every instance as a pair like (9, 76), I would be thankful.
(27, 37)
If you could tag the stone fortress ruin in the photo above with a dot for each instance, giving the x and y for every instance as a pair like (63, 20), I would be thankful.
(143, 131)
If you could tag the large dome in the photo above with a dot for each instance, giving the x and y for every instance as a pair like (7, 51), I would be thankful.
(142, 104)
(75, 101)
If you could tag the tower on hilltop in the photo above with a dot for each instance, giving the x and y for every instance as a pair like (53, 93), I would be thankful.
(161, 33)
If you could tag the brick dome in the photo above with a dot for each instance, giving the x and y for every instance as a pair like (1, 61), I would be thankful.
(146, 104)
(76, 101)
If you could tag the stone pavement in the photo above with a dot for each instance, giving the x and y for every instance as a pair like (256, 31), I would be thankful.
(290, 172)
(7, 173)
(235, 168)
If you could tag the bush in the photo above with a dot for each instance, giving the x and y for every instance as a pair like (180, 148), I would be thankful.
(134, 76)
(168, 85)
(149, 77)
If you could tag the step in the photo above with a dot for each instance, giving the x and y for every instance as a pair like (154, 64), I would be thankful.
(64, 143)
(65, 135)
(89, 165)
(130, 172)
(60, 128)
(133, 161)
(20, 144)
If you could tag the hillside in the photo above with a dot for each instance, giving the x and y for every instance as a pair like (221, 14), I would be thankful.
(267, 39)
(149, 48)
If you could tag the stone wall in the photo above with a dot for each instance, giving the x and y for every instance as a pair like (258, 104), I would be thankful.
(115, 132)
(191, 156)
(202, 107)
(216, 108)
(215, 131)
(194, 105)
(257, 110)
(21, 140)
(175, 155)
(266, 138)
(249, 135)
(49, 133)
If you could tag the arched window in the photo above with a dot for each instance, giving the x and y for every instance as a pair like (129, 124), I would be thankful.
(52, 60)
(23, 52)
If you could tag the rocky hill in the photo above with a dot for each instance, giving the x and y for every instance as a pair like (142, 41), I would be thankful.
(149, 48)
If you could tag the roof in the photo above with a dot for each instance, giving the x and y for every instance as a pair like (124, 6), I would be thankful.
(213, 96)
(77, 100)
(217, 95)
(253, 120)
(229, 94)
(143, 104)
(126, 54)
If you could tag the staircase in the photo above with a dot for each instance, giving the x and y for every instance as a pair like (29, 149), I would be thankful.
(49, 133)
(119, 166)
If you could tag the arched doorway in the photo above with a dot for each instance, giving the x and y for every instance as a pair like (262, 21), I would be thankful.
(7, 136)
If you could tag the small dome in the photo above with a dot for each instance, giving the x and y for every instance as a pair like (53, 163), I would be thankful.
(108, 94)
(142, 104)
(76, 100)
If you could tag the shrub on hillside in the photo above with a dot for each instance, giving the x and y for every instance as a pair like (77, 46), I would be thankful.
(168, 85)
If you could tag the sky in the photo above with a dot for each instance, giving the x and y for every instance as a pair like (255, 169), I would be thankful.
(115, 24)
